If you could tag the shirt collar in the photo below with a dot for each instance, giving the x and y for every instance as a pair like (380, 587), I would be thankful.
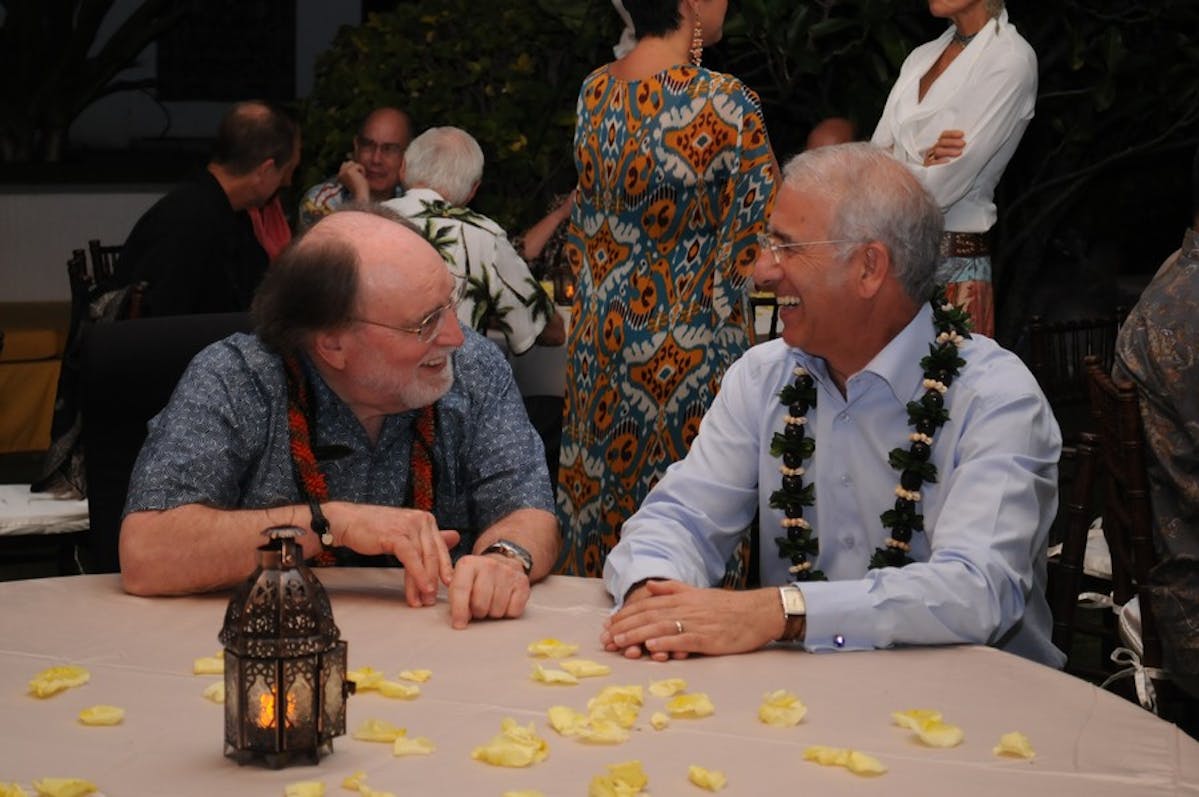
(898, 364)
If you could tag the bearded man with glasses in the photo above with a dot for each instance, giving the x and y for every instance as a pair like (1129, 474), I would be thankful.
(370, 173)
(360, 410)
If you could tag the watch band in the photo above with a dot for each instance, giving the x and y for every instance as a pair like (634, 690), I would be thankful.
(512, 551)
(795, 612)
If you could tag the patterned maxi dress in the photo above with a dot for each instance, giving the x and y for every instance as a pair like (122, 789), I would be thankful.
(675, 183)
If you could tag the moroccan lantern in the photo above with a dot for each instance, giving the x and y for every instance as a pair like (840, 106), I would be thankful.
(285, 665)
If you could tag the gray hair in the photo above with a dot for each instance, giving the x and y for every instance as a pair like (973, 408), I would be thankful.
(875, 198)
(446, 159)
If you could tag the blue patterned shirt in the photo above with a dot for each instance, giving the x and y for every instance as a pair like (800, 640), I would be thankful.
(223, 441)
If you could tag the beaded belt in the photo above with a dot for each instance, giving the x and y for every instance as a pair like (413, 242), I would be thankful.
(964, 244)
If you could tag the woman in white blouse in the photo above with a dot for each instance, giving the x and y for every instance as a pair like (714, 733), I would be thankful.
(955, 116)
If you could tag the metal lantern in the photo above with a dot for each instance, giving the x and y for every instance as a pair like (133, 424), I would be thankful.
(285, 665)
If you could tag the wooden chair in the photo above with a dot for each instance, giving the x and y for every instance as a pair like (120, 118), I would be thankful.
(1066, 571)
(104, 261)
(1128, 515)
(1056, 352)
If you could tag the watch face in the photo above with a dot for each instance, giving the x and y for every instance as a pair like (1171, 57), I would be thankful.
(793, 602)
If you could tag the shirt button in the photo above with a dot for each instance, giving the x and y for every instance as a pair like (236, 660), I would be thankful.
(843, 417)
(848, 542)
(846, 478)
(839, 641)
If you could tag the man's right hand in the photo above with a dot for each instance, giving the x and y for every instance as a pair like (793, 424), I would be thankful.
(353, 176)
(410, 535)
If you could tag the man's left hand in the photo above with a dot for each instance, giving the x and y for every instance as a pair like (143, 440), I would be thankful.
(487, 586)
(670, 619)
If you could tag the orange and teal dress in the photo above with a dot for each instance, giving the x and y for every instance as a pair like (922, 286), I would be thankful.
(676, 180)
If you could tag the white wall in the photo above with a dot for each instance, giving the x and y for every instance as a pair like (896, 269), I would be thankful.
(39, 228)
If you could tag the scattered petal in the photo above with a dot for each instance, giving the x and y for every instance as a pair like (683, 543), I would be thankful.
(304, 788)
(102, 715)
(566, 721)
(667, 687)
(561, 677)
(355, 781)
(583, 668)
(623, 714)
(209, 665)
(603, 731)
(710, 779)
(12, 790)
(659, 720)
(856, 762)
(53, 680)
(367, 791)
(914, 718)
(781, 709)
(551, 648)
(378, 731)
(365, 678)
(63, 787)
(421, 745)
(1015, 744)
(419, 676)
(941, 734)
(398, 690)
(515, 746)
(691, 706)
(618, 694)
(522, 793)
(626, 779)
(215, 692)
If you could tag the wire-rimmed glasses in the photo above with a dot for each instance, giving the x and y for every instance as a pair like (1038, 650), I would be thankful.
(430, 326)
(769, 243)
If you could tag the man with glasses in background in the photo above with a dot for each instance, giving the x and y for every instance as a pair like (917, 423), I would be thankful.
(905, 473)
(371, 173)
(360, 410)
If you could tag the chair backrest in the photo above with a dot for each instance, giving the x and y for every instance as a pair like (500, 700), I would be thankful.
(129, 370)
(1057, 348)
(104, 260)
(1127, 512)
(1066, 581)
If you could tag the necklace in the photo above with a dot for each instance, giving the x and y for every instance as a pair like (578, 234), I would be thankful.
(962, 39)
(941, 366)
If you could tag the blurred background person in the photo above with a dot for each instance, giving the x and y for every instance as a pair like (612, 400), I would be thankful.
(371, 173)
(955, 116)
(832, 130)
(676, 179)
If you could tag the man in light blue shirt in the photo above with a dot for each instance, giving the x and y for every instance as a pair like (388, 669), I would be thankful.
(914, 469)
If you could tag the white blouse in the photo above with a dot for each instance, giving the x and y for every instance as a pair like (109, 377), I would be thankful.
(989, 91)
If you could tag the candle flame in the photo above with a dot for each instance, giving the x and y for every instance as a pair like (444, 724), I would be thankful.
(266, 710)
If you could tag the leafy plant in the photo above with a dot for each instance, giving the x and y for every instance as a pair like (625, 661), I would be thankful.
(507, 73)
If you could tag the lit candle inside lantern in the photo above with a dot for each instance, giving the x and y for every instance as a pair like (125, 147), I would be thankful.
(266, 709)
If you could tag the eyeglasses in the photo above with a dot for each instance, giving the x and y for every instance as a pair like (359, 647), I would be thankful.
(368, 146)
(770, 244)
(431, 325)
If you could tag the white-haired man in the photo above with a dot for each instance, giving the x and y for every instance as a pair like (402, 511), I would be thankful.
(441, 172)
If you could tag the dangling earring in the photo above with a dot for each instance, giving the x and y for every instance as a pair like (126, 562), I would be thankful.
(697, 42)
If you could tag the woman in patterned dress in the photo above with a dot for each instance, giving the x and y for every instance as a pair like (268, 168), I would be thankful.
(676, 178)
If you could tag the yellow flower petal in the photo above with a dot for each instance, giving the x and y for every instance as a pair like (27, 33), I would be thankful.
(561, 677)
(603, 731)
(566, 721)
(63, 787)
(215, 692)
(304, 788)
(367, 791)
(623, 714)
(691, 706)
(355, 781)
(781, 709)
(12, 790)
(710, 779)
(378, 731)
(522, 793)
(626, 779)
(915, 718)
(421, 745)
(398, 690)
(420, 676)
(582, 668)
(941, 734)
(365, 678)
(856, 762)
(551, 648)
(659, 720)
(102, 715)
(515, 746)
(209, 665)
(53, 680)
(618, 694)
(667, 687)
(1014, 744)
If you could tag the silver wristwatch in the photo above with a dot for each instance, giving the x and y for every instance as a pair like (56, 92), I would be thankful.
(512, 551)
(795, 611)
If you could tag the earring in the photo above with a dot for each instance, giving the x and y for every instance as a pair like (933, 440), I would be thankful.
(697, 42)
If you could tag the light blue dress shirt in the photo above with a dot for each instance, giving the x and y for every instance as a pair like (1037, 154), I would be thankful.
(979, 575)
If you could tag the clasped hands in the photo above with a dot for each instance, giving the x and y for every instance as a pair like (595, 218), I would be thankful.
(478, 586)
(671, 620)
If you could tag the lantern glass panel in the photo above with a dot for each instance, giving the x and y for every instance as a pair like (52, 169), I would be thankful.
(298, 675)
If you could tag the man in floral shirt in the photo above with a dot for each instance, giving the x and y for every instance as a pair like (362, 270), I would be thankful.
(441, 172)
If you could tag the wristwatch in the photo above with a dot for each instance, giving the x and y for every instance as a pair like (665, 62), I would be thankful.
(512, 551)
(795, 611)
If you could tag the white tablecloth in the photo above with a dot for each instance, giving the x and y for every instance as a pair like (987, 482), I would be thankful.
(24, 512)
(140, 653)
